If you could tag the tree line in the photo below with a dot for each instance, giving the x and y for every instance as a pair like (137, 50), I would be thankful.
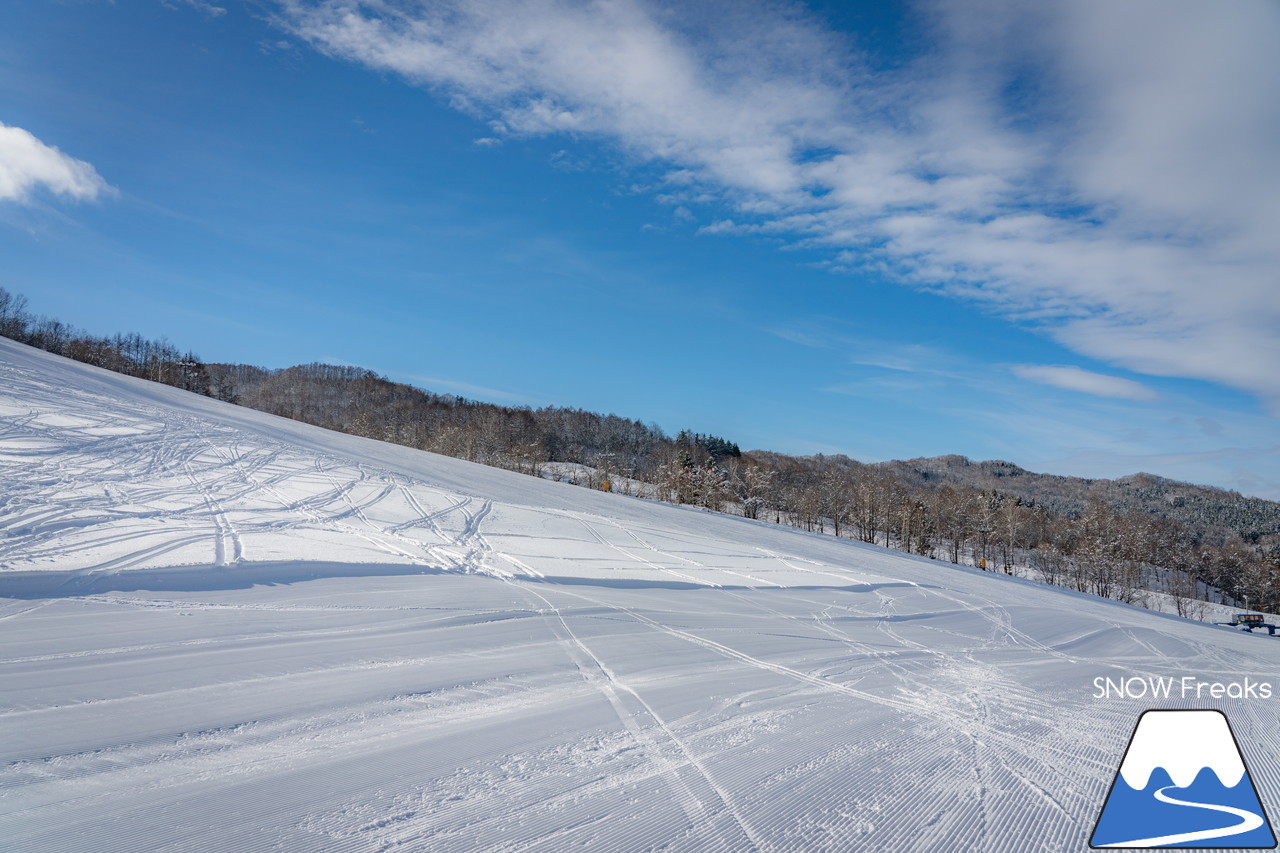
(130, 354)
(1123, 539)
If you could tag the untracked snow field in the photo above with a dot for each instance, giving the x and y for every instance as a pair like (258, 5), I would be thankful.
(224, 631)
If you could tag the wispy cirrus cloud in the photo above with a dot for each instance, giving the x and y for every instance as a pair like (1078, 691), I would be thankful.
(1102, 171)
(210, 9)
(1075, 379)
(27, 163)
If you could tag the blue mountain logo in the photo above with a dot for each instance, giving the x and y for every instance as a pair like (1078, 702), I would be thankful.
(1183, 784)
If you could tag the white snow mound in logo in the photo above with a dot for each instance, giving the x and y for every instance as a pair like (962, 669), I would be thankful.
(1183, 743)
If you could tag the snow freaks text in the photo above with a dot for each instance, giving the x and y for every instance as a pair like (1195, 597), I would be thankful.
(1186, 687)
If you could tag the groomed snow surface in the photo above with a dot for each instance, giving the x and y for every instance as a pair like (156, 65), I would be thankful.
(223, 631)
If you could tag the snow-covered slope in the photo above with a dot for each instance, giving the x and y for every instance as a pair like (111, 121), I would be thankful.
(225, 631)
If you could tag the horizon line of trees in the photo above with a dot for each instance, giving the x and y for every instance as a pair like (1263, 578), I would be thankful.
(1105, 547)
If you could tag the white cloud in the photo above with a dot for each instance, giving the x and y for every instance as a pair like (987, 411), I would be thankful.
(210, 9)
(1075, 379)
(27, 163)
(1209, 426)
(1105, 171)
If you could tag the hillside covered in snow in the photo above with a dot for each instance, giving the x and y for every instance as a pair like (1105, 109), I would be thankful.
(221, 631)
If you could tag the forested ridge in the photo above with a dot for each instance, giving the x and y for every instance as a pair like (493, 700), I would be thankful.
(1125, 538)
(1156, 496)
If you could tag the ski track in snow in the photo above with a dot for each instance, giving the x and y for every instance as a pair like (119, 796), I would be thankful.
(222, 631)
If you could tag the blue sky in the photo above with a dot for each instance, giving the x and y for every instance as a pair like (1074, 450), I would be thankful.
(1037, 232)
